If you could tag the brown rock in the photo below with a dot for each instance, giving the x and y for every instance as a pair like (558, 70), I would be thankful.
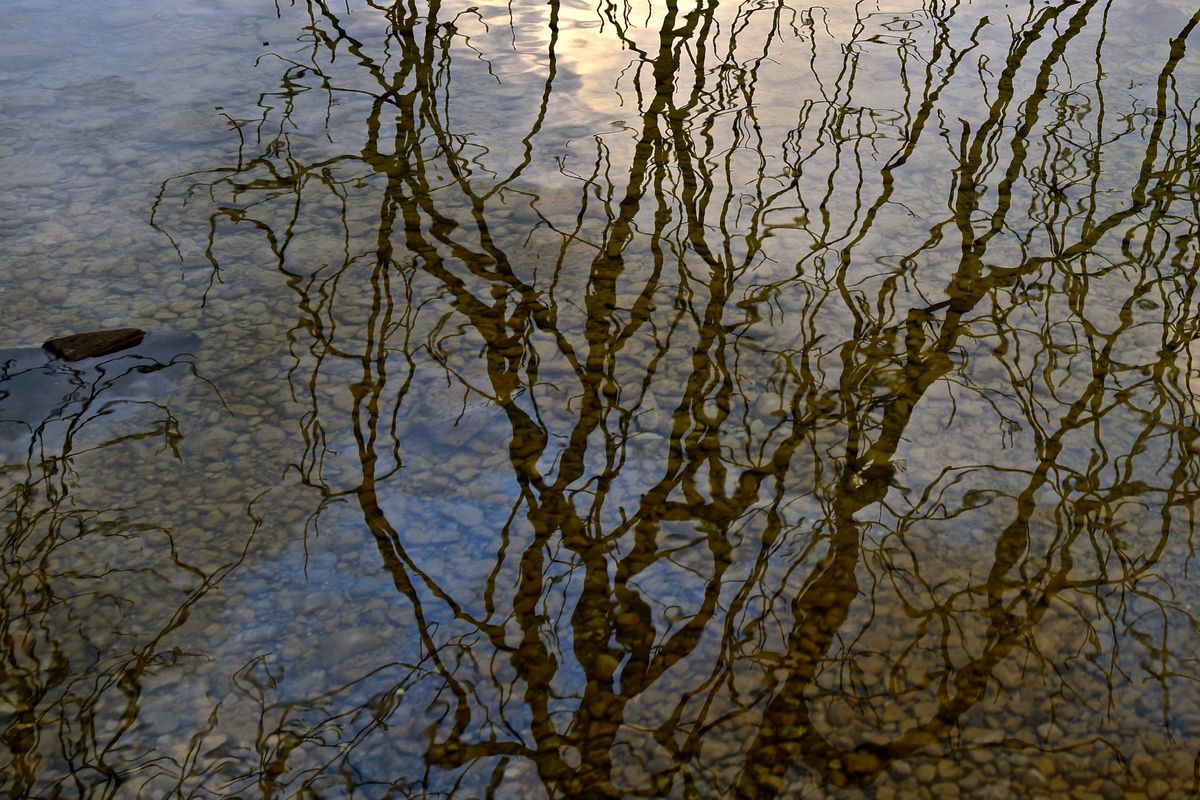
(864, 763)
(94, 343)
(1158, 789)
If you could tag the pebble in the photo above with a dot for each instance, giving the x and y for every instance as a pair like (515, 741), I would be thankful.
(840, 715)
(1111, 791)
(1049, 731)
(861, 762)
(1157, 789)
(468, 515)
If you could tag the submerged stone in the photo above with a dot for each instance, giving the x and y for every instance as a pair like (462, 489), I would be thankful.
(94, 343)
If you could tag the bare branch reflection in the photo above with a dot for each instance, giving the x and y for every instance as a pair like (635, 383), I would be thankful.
(827, 414)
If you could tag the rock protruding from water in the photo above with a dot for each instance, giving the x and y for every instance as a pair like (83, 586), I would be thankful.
(94, 343)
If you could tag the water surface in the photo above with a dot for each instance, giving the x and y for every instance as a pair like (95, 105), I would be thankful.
(619, 400)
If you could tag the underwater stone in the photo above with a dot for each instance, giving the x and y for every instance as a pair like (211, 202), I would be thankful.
(94, 343)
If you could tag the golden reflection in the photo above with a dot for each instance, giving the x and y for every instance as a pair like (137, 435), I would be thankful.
(819, 424)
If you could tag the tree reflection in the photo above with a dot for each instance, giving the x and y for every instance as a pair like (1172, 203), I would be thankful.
(808, 472)
(80, 645)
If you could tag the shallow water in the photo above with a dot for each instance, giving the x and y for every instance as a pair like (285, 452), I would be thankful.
(642, 400)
